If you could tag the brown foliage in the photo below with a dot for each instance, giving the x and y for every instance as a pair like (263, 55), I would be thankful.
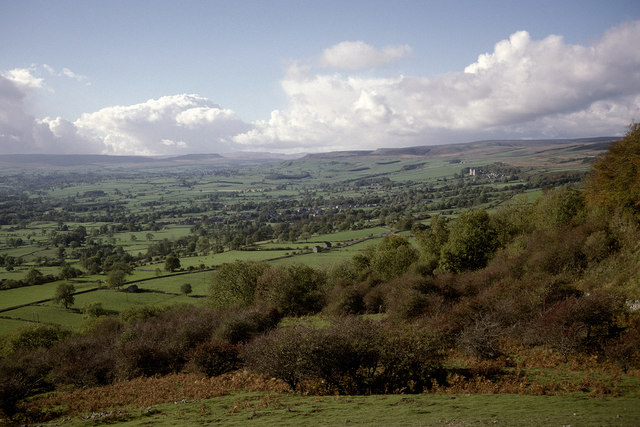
(146, 391)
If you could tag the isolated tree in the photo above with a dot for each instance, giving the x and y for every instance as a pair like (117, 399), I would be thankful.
(614, 181)
(116, 278)
(472, 241)
(64, 294)
(433, 239)
(172, 263)
(186, 288)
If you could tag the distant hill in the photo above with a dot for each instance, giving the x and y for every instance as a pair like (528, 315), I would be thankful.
(74, 161)
(595, 143)
(240, 159)
(69, 159)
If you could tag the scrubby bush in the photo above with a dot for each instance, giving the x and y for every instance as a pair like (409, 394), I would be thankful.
(481, 338)
(93, 309)
(160, 344)
(214, 358)
(22, 375)
(407, 296)
(295, 289)
(350, 356)
(85, 360)
(234, 284)
(347, 299)
(33, 337)
(140, 312)
(624, 350)
(241, 325)
(410, 360)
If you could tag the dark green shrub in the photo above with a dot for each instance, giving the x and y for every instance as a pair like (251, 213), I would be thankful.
(350, 356)
(140, 312)
(234, 284)
(242, 325)
(214, 358)
(93, 309)
(22, 375)
(34, 336)
(347, 300)
(295, 290)
(281, 353)
(84, 360)
(410, 360)
(160, 344)
(471, 243)
(392, 257)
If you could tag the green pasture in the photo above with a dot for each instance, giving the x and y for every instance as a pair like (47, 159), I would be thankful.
(349, 236)
(20, 272)
(328, 258)
(118, 301)
(8, 325)
(29, 294)
(288, 246)
(199, 282)
(47, 313)
(272, 409)
(231, 256)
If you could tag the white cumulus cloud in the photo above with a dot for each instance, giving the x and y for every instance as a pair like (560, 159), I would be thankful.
(24, 78)
(21, 132)
(355, 55)
(167, 125)
(524, 88)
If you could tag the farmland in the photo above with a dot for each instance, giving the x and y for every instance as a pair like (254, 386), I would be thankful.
(447, 273)
(249, 210)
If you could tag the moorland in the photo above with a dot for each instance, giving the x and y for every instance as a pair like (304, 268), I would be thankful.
(274, 289)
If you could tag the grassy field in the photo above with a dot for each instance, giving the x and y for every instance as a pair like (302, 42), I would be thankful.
(282, 409)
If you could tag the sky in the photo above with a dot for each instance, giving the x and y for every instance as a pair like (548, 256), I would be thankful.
(299, 76)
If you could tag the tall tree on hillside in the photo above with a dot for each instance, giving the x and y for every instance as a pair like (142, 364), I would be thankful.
(472, 241)
(614, 181)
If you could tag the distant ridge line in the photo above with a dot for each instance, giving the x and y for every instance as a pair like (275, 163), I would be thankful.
(70, 160)
(422, 150)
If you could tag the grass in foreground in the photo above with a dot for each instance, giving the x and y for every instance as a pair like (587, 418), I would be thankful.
(191, 404)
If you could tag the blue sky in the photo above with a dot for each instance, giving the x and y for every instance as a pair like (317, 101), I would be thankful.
(169, 77)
